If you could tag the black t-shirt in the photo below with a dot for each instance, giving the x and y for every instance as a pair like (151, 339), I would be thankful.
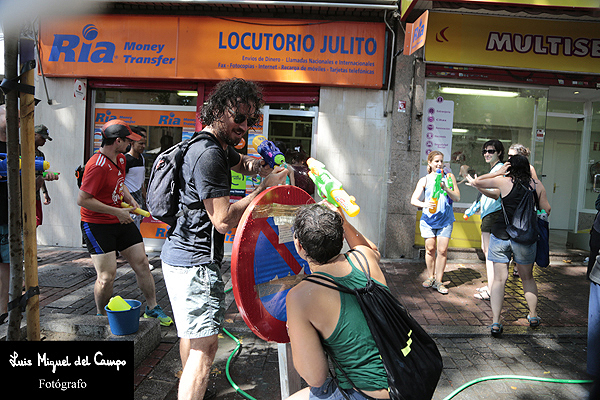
(206, 173)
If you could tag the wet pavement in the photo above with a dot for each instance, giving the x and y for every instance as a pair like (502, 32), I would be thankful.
(457, 321)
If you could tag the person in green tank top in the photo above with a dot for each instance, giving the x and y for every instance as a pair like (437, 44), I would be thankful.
(319, 318)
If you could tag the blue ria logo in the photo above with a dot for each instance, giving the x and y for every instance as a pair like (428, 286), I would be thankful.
(101, 52)
(169, 120)
(419, 31)
(105, 117)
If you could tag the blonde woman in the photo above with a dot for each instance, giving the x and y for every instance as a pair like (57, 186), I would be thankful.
(436, 220)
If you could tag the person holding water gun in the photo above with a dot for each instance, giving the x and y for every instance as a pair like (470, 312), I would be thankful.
(437, 218)
(106, 223)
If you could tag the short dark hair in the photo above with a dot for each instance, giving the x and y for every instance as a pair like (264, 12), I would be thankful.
(139, 130)
(231, 93)
(107, 141)
(497, 145)
(320, 231)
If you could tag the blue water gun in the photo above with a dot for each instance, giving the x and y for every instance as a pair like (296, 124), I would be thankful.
(268, 151)
(40, 165)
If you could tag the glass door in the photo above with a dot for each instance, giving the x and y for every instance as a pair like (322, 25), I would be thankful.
(562, 149)
(293, 127)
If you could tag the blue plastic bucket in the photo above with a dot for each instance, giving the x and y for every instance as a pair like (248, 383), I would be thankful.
(124, 322)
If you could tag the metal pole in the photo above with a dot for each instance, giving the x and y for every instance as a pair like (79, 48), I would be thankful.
(11, 38)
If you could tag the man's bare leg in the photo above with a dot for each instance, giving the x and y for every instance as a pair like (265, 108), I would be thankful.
(136, 256)
(106, 269)
(197, 356)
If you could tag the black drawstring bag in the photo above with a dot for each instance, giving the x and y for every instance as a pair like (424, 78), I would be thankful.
(410, 356)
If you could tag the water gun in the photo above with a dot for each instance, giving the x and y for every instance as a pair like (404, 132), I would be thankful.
(330, 188)
(268, 151)
(138, 210)
(472, 210)
(40, 165)
(437, 191)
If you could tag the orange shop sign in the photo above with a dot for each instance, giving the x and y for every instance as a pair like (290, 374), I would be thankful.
(296, 51)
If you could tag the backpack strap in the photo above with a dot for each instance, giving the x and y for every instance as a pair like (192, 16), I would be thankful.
(196, 137)
(365, 270)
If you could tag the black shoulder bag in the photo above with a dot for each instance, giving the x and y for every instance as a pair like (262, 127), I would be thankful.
(410, 356)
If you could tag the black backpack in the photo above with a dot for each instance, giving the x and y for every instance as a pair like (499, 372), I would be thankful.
(162, 195)
(79, 174)
(523, 227)
(411, 358)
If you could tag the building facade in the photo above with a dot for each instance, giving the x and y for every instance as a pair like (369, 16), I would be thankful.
(341, 85)
(524, 73)
(324, 70)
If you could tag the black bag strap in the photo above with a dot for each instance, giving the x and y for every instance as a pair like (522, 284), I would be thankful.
(185, 147)
(320, 279)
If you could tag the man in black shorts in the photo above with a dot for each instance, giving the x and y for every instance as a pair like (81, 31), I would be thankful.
(107, 227)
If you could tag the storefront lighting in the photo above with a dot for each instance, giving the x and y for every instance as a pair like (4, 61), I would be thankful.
(459, 130)
(478, 92)
(187, 93)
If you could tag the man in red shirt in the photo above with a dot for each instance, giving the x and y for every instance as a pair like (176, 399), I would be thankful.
(107, 227)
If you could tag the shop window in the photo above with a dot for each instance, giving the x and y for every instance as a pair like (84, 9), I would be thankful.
(172, 98)
(293, 131)
(480, 113)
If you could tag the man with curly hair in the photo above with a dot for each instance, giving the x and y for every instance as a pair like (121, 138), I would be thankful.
(193, 250)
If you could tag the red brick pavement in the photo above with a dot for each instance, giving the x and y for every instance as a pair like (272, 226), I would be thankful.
(562, 295)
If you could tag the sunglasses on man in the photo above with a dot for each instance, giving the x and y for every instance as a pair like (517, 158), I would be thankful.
(240, 118)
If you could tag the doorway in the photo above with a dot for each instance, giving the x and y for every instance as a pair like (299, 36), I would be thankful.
(561, 167)
(293, 126)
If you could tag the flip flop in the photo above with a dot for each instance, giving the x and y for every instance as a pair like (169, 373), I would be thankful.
(482, 295)
(534, 322)
(482, 289)
(496, 329)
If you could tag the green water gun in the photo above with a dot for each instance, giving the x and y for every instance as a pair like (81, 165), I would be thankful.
(437, 191)
(330, 188)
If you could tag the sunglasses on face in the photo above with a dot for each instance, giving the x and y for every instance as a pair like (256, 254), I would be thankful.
(240, 118)
(491, 151)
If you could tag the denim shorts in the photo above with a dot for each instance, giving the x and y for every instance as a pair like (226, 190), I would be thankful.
(197, 296)
(501, 251)
(593, 353)
(429, 232)
(331, 391)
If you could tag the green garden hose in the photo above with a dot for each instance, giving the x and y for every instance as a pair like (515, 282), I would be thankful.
(233, 353)
(520, 377)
